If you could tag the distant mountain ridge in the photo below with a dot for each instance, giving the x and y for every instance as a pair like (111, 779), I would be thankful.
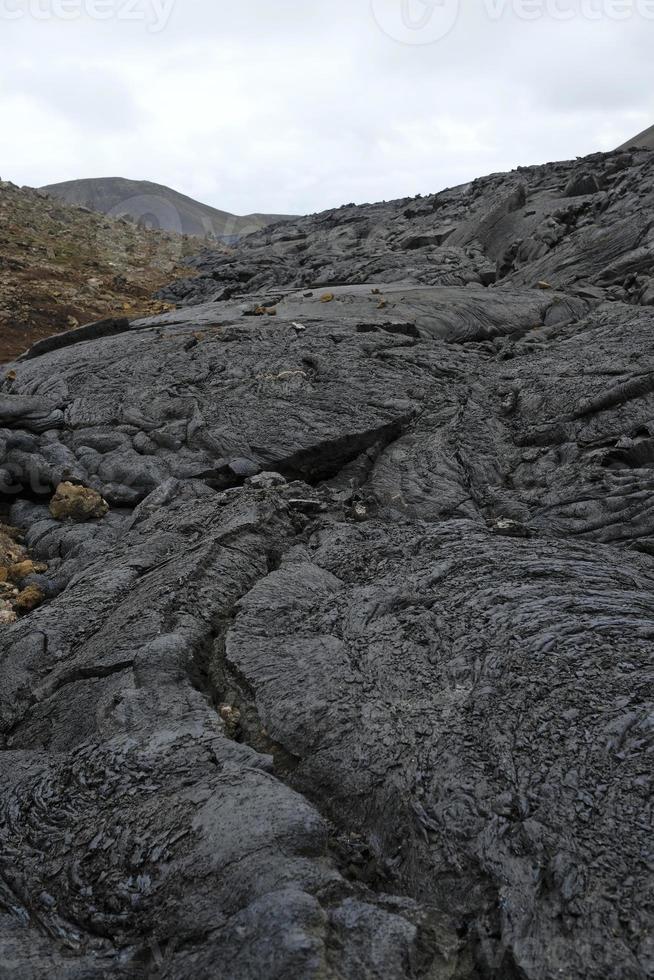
(644, 139)
(157, 206)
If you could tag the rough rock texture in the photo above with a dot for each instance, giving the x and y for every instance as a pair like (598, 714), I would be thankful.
(77, 504)
(645, 139)
(354, 680)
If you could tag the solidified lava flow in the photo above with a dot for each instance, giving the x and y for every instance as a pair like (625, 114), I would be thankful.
(354, 677)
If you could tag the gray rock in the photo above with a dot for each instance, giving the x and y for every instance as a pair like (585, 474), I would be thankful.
(582, 184)
(266, 481)
(353, 681)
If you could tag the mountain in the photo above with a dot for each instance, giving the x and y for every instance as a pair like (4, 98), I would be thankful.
(644, 139)
(156, 206)
(61, 265)
(340, 662)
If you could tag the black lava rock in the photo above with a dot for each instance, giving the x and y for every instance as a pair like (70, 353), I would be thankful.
(354, 680)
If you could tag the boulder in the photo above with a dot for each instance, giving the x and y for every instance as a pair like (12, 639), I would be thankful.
(77, 504)
(581, 184)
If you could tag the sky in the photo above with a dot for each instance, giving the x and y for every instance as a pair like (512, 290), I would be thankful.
(294, 107)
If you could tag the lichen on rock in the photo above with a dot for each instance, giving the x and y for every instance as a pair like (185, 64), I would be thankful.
(17, 597)
(28, 599)
(77, 504)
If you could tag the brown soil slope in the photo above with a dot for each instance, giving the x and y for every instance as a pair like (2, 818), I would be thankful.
(62, 265)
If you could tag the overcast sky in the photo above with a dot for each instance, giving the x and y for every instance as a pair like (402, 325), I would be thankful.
(300, 105)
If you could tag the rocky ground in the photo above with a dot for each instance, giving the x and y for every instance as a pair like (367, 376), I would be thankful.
(354, 678)
(62, 265)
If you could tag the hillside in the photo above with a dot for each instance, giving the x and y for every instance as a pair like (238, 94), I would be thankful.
(644, 139)
(327, 603)
(156, 206)
(61, 266)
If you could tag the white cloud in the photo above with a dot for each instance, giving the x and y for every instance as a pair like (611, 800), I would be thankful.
(298, 106)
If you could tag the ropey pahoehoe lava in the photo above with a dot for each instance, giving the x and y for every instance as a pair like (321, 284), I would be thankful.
(353, 678)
